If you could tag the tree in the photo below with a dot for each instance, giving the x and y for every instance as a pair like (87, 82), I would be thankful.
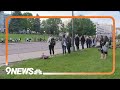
(53, 25)
(44, 27)
(28, 23)
(63, 28)
(37, 25)
(15, 24)
(82, 27)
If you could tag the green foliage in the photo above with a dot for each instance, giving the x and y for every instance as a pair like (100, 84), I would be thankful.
(81, 26)
(44, 27)
(118, 37)
(63, 28)
(37, 25)
(27, 23)
(53, 25)
(15, 24)
(24, 36)
(81, 61)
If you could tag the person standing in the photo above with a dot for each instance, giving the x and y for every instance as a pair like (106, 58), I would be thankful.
(51, 42)
(77, 42)
(90, 42)
(64, 44)
(68, 40)
(82, 41)
(94, 42)
(101, 45)
(101, 41)
(104, 49)
(106, 41)
(87, 42)
(110, 41)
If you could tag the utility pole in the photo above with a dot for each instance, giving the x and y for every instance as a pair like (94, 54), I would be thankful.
(73, 33)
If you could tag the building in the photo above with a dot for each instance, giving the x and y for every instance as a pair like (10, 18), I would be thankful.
(104, 30)
(3, 16)
(1, 21)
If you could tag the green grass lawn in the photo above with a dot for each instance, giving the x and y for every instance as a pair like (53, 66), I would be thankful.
(23, 36)
(81, 61)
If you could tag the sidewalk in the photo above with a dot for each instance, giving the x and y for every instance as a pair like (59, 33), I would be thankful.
(25, 56)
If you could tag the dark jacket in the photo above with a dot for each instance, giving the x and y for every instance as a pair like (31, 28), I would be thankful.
(77, 40)
(82, 40)
(68, 39)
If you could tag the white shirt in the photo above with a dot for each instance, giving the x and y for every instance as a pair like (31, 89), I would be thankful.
(64, 43)
(49, 40)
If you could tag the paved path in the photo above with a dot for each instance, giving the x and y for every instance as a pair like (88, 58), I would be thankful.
(23, 51)
(25, 56)
(17, 48)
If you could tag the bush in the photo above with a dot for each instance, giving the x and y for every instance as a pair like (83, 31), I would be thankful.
(118, 37)
(2, 40)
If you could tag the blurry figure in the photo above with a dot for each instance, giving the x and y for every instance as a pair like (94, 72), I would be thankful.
(101, 41)
(68, 39)
(105, 46)
(82, 41)
(44, 56)
(64, 44)
(77, 41)
(90, 42)
(87, 42)
(94, 41)
(51, 42)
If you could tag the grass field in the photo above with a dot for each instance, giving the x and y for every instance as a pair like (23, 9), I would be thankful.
(81, 61)
(23, 36)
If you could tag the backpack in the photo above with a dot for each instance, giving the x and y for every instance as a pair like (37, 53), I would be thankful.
(105, 47)
(52, 42)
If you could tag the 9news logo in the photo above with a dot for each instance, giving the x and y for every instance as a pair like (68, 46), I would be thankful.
(23, 71)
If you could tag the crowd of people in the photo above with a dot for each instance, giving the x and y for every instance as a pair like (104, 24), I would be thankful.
(90, 41)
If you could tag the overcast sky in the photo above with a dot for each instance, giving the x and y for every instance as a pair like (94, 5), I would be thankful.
(115, 14)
